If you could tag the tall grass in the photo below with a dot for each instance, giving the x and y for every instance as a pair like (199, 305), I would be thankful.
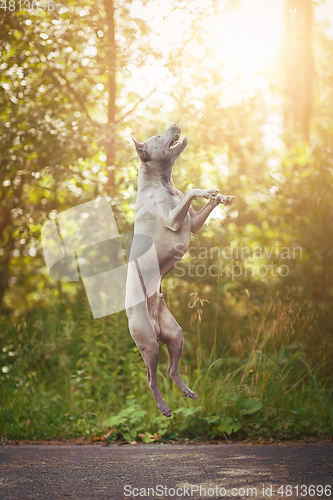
(67, 377)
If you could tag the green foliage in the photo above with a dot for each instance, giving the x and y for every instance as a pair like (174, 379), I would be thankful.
(128, 422)
(74, 377)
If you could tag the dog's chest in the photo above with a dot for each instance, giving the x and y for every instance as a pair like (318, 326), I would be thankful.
(172, 200)
(150, 203)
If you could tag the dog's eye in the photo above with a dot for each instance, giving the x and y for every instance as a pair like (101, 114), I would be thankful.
(158, 136)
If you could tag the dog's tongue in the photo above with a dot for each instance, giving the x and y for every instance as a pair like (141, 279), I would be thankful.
(175, 140)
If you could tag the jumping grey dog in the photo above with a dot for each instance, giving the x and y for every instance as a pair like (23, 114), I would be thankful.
(166, 215)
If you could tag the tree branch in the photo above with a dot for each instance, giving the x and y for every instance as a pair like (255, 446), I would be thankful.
(78, 98)
(136, 105)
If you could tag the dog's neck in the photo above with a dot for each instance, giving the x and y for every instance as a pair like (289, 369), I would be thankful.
(153, 174)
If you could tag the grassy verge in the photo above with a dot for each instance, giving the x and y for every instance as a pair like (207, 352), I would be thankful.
(63, 378)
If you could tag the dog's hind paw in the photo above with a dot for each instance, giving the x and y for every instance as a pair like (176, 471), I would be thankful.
(190, 394)
(165, 410)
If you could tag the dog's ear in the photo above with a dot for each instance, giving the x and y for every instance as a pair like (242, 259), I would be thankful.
(141, 149)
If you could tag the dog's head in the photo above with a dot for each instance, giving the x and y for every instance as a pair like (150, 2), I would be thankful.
(163, 149)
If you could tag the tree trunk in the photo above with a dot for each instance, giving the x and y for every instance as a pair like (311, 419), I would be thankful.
(112, 50)
(4, 268)
(298, 63)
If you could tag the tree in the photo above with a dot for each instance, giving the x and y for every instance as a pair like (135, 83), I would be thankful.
(298, 63)
(62, 74)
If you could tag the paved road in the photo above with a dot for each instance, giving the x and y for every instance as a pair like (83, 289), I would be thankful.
(29, 472)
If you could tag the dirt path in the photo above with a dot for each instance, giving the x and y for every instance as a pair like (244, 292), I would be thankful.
(29, 472)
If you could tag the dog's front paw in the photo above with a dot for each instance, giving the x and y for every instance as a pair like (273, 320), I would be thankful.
(226, 200)
(230, 199)
(210, 194)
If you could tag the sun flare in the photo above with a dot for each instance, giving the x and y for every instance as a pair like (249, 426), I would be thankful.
(245, 40)
(248, 40)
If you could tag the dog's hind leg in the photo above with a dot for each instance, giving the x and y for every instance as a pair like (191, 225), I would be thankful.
(172, 335)
(144, 335)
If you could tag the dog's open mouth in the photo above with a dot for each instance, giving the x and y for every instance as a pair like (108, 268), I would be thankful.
(176, 141)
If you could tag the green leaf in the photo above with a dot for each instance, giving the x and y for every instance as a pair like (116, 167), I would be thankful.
(212, 419)
(187, 412)
(133, 433)
(115, 421)
(146, 439)
(127, 437)
(228, 425)
(251, 406)
(162, 431)
(137, 414)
